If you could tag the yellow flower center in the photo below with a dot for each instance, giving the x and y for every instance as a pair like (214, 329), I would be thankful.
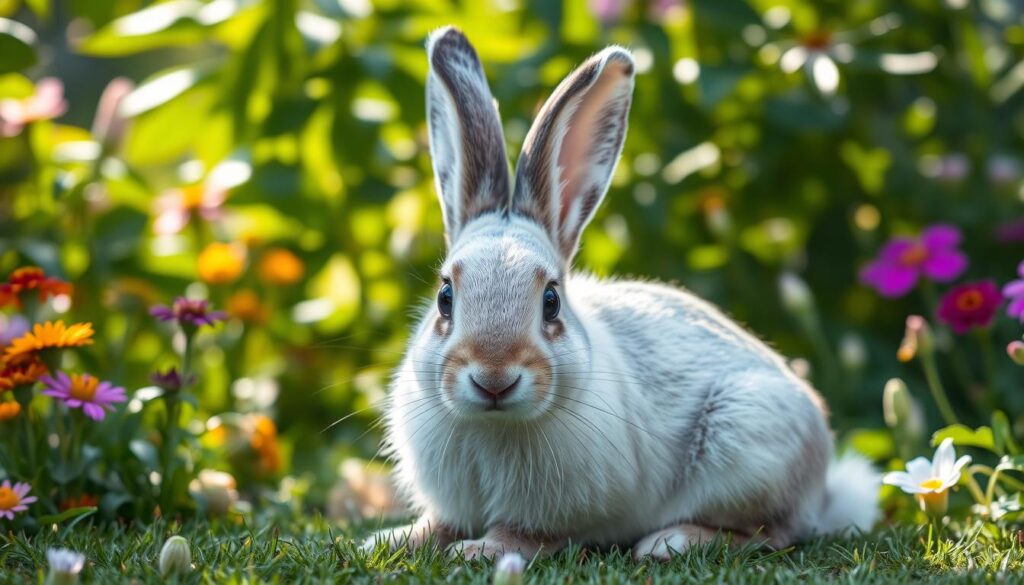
(914, 255)
(192, 197)
(8, 499)
(83, 387)
(932, 484)
(970, 300)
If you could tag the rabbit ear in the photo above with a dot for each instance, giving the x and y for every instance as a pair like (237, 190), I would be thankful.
(573, 147)
(466, 141)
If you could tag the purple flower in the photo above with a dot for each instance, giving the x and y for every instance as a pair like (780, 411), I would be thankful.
(1010, 232)
(903, 261)
(11, 327)
(170, 380)
(1014, 291)
(970, 305)
(85, 392)
(14, 498)
(188, 313)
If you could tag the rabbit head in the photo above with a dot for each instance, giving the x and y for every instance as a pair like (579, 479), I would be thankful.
(502, 323)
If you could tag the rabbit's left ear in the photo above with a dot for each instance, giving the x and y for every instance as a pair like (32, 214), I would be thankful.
(573, 147)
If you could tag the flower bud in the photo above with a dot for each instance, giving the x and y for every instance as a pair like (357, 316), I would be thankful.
(1016, 352)
(896, 402)
(64, 566)
(796, 297)
(917, 339)
(175, 556)
(509, 570)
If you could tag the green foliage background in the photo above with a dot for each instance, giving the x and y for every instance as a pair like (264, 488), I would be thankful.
(734, 172)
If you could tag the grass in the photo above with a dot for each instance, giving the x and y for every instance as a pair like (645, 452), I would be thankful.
(313, 551)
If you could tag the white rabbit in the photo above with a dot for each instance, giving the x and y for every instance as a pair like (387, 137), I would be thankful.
(536, 406)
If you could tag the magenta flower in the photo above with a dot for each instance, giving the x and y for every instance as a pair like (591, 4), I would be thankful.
(903, 261)
(171, 380)
(85, 392)
(188, 313)
(14, 498)
(970, 305)
(1014, 291)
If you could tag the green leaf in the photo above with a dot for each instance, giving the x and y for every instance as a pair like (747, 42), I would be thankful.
(16, 41)
(167, 24)
(873, 443)
(145, 452)
(67, 515)
(1003, 434)
(966, 437)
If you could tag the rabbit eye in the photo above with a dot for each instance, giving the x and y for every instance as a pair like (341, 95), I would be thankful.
(444, 300)
(551, 303)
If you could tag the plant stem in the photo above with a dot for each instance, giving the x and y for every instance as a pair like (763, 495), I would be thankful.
(985, 341)
(931, 374)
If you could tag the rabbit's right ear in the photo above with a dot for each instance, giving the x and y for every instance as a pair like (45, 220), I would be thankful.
(466, 141)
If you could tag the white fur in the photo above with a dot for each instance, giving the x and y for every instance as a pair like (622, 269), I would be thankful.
(659, 413)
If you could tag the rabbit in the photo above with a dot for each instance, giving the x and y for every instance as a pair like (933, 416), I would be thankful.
(537, 406)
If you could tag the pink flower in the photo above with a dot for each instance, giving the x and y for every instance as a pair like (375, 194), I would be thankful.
(85, 392)
(176, 207)
(970, 305)
(1014, 291)
(1010, 232)
(47, 102)
(903, 261)
(14, 498)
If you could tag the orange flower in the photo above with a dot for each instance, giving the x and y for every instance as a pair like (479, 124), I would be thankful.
(82, 501)
(246, 306)
(9, 410)
(264, 441)
(280, 266)
(30, 278)
(52, 334)
(221, 263)
(20, 370)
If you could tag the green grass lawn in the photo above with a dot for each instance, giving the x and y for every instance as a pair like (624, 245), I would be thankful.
(313, 551)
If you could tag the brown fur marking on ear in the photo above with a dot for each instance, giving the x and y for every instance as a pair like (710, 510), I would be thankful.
(534, 195)
(485, 178)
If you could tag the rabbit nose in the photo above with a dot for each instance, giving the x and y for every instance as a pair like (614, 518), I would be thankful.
(495, 387)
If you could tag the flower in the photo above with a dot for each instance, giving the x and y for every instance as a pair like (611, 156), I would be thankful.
(263, 440)
(12, 326)
(216, 490)
(175, 556)
(82, 501)
(509, 569)
(65, 565)
(50, 335)
(46, 103)
(930, 481)
(246, 306)
(970, 305)
(109, 122)
(14, 498)
(188, 312)
(9, 410)
(903, 261)
(280, 266)
(170, 380)
(19, 371)
(1015, 349)
(1014, 290)
(917, 339)
(221, 263)
(1010, 232)
(175, 208)
(29, 278)
(85, 392)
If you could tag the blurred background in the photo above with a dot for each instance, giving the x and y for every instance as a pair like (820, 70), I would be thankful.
(272, 156)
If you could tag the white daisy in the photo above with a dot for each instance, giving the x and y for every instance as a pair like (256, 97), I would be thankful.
(929, 481)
